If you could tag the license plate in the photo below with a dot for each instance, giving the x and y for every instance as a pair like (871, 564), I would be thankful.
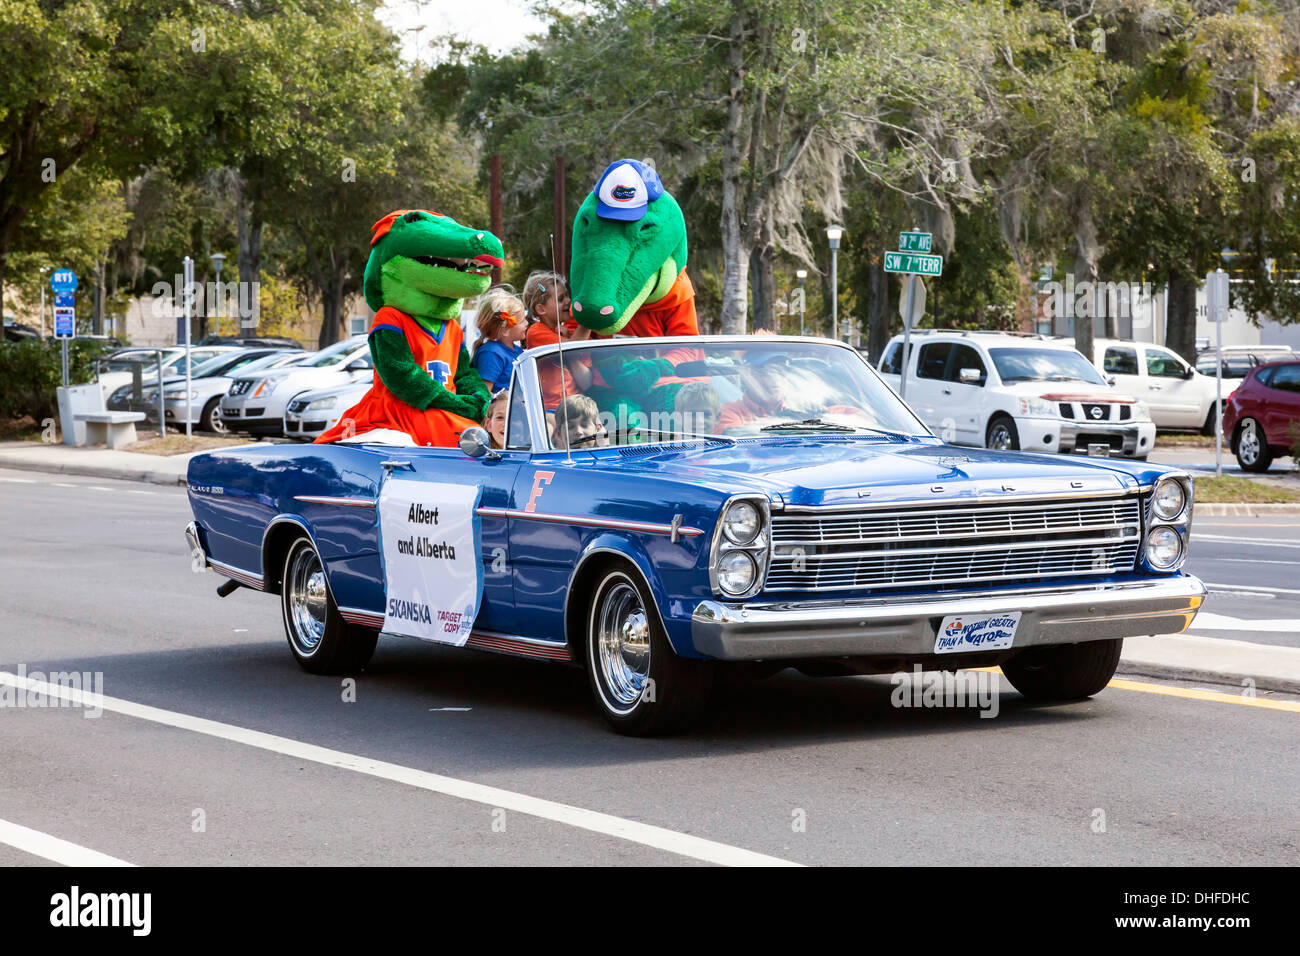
(960, 633)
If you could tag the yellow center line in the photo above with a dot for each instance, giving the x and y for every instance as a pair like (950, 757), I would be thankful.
(1218, 697)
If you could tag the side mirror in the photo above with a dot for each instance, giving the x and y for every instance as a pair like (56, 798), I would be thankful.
(1188, 371)
(1110, 380)
(358, 365)
(970, 376)
(476, 443)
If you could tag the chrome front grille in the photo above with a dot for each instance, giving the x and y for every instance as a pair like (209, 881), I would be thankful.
(959, 544)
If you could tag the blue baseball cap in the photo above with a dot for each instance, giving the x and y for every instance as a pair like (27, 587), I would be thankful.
(625, 189)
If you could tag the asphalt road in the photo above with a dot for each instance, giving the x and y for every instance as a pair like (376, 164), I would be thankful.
(245, 759)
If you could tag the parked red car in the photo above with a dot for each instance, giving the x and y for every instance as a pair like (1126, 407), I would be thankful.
(1261, 414)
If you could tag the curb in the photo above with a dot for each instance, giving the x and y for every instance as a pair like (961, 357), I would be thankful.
(1263, 682)
(95, 471)
(1246, 510)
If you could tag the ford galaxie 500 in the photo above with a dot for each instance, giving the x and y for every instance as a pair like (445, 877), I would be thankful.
(733, 499)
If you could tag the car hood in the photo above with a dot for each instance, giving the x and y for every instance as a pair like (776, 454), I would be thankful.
(849, 471)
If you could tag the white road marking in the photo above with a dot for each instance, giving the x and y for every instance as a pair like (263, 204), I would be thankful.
(457, 709)
(100, 488)
(20, 481)
(61, 484)
(1249, 560)
(659, 838)
(1263, 542)
(52, 848)
(1252, 588)
(1206, 621)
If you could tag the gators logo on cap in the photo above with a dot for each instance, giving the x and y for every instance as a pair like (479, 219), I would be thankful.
(623, 193)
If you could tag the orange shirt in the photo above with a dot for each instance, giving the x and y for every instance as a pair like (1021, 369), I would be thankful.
(438, 354)
(548, 373)
(674, 314)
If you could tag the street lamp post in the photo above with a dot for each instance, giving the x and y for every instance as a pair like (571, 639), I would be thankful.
(44, 269)
(218, 260)
(801, 274)
(834, 234)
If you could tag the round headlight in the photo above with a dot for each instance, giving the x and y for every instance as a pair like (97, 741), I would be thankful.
(1169, 499)
(742, 523)
(1164, 548)
(736, 572)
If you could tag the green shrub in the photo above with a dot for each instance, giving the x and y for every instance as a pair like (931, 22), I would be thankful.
(31, 371)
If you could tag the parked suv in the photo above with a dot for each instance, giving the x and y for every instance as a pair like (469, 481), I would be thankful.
(1261, 414)
(1179, 396)
(1016, 392)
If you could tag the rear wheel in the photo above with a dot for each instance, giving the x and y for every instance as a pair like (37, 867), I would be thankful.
(1251, 446)
(640, 684)
(1002, 434)
(1064, 671)
(321, 641)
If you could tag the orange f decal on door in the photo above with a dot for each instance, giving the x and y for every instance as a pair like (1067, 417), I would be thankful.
(539, 479)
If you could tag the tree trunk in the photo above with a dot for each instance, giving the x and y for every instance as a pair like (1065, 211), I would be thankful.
(735, 250)
(249, 230)
(763, 280)
(1086, 253)
(1180, 333)
(332, 299)
(877, 311)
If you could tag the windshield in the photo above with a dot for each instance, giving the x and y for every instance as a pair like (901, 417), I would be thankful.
(629, 394)
(1044, 365)
(334, 354)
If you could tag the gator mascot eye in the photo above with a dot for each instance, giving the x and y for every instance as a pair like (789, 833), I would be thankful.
(421, 268)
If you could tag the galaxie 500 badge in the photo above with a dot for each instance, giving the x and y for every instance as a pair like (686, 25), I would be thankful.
(991, 632)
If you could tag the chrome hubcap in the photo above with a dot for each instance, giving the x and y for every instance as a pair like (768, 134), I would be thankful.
(1000, 438)
(623, 646)
(1248, 444)
(307, 601)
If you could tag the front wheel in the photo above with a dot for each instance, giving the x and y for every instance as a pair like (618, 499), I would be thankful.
(1251, 447)
(321, 641)
(640, 684)
(1064, 671)
(1002, 434)
(210, 420)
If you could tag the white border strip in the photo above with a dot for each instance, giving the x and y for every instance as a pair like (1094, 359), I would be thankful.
(659, 838)
(52, 848)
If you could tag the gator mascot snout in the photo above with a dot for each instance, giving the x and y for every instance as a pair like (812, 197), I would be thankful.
(629, 257)
(422, 266)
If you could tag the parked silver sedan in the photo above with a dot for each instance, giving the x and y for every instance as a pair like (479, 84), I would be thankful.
(310, 414)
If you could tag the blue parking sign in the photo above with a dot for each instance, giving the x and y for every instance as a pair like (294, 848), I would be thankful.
(64, 299)
(63, 280)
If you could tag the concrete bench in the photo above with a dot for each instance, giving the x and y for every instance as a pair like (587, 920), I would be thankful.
(114, 429)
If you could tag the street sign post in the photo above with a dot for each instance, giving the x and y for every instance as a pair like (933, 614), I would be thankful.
(1216, 311)
(914, 241)
(913, 260)
(64, 284)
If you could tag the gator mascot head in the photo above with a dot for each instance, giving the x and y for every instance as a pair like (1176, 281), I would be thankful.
(424, 263)
(629, 245)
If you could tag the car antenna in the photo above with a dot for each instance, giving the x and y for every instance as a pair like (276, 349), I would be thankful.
(559, 352)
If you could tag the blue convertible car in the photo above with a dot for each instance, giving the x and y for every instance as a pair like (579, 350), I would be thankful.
(705, 501)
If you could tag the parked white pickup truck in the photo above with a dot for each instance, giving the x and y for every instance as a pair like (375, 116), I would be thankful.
(1027, 392)
(1179, 396)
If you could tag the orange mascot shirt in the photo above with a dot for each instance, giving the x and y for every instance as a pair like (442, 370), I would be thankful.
(379, 408)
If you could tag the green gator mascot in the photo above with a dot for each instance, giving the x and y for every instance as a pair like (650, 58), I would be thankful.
(422, 265)
(628, 277)
(629, 257)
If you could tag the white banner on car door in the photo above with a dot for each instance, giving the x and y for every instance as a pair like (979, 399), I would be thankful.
(433, 571)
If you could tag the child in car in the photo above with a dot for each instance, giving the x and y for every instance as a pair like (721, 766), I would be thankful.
(501, 327)
(578, 425)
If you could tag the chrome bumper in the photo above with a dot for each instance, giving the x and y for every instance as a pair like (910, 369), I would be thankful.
(907, 626)
(1127, 434)
(196, 545)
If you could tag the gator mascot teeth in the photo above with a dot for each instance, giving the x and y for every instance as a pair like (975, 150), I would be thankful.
(422, 265)
(629, 257)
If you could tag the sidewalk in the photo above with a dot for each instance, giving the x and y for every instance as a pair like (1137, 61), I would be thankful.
(1213, 659)
(95, 462)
